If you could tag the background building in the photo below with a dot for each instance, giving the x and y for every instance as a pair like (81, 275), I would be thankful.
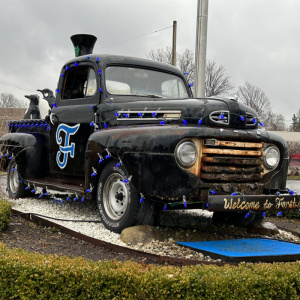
(9, 113)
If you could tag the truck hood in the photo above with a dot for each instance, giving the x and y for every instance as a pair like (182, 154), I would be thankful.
(216, 112)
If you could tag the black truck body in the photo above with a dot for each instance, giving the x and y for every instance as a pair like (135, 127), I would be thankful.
(128, 133)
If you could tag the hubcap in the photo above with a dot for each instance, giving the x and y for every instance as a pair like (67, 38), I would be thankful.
(14, 180)
(115, 197)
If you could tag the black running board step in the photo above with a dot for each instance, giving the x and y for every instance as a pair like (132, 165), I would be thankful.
(61, 185)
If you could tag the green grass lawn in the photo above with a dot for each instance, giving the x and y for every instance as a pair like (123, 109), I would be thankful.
(293, 178)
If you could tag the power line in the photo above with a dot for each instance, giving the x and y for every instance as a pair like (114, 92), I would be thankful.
(31, 67)
(17, 86)
(134, 38)
(113, 44)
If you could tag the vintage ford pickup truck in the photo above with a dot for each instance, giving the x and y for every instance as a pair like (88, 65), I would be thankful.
(127, 133)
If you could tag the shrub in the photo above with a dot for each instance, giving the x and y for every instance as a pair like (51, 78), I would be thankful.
(34, 276)
(5, 212)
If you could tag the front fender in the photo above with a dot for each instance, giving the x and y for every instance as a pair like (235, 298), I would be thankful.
(147, 152)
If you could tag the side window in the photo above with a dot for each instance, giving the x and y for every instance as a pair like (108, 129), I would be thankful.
(80, 82)
(91, 84)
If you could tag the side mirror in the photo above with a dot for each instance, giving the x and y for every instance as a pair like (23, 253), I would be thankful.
(54, 119)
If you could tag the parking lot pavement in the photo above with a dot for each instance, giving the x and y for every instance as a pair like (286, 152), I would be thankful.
(293, 185)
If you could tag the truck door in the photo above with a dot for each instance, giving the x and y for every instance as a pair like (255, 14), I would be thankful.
(70, 121)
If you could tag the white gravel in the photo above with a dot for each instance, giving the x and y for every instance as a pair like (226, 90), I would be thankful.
(88, 211)
(69, 210)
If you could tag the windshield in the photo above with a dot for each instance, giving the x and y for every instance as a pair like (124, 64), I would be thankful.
(144, 83)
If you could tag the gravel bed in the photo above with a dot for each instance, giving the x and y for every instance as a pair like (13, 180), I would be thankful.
(88, 211)
(191, 225)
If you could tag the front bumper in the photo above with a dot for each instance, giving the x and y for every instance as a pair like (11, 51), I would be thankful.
(253, 202)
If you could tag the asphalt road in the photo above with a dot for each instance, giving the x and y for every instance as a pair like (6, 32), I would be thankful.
(293, 185)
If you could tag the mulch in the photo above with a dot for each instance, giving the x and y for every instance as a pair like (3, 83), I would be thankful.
(290, 225)
(23, 233)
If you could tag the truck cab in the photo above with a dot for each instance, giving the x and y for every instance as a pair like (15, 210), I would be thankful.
(126, 132)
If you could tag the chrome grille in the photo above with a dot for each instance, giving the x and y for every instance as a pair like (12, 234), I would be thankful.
(231, 161)
(147, 115)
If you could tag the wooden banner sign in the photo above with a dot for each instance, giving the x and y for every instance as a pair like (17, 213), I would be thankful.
(253, 202)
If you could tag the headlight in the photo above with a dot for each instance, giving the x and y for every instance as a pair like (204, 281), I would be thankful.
(186, 154)
(272, 157)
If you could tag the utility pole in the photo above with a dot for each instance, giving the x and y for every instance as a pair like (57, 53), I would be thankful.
(174, 43)
(200, 52)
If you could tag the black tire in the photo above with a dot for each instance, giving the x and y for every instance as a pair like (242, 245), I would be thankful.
(118, 201)
(238, 219)
(15, 187)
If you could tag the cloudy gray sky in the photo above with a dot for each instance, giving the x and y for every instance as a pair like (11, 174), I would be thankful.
(256, 40)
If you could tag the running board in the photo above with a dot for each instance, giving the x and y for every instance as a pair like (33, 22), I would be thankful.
(61, 185)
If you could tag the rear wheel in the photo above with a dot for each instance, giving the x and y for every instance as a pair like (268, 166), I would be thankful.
(15, 187)
(117, 199)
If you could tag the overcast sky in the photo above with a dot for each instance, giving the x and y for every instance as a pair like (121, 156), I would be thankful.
(256, 40)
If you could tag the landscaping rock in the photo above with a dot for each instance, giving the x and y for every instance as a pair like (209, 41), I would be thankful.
(263, 228)
(140, 234)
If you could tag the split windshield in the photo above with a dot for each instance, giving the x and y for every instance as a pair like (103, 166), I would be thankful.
(144, 83)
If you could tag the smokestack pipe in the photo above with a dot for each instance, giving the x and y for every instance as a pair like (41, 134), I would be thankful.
(83, 43)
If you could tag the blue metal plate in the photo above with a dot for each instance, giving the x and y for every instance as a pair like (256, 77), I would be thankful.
(247, 249)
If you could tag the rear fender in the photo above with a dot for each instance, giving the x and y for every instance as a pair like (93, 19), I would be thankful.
(27, 150)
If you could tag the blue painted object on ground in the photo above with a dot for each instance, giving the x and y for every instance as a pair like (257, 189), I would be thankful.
(247, 249)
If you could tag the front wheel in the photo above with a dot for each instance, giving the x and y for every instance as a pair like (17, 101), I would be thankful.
(117, 199)
(15, 187)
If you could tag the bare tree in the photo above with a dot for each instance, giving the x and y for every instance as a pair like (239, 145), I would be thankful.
(161, 55)
(276, 122)
(9, 100)
(256, 98)
(293, 149)
(295, 126)
(217, 80)
(185, 61)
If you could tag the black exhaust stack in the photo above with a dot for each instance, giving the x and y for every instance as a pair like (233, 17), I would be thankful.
(83, 44)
